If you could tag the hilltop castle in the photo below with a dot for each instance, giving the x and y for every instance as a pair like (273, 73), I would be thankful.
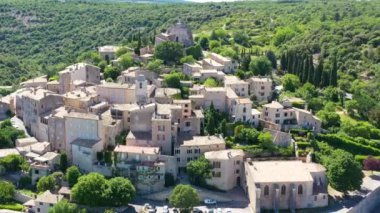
(178, 33)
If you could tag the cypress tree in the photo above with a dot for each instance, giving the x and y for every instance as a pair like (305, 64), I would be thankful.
(318, 72)
(325, 79)
(334, 73)
(305, 73)
(283, 62)
(311, 70)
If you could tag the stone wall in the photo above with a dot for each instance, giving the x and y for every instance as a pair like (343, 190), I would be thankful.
(22, 198)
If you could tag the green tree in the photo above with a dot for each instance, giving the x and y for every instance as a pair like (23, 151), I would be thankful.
(211, 82)
(111, 72)
(329, 119)
(46, 183)
(318, 72)
(121, 51)
(246, 60)
(344, 173)
(184, 197)
(188, 59)
(290, 82)
(210, 125)
(272, 58)
(266, 141)
(125, 61)
(334, 73)
(173, 80)
(199, 170)
(64, 206)
(63, 162)
(90, 190)
(195, 51)
(203, 42)
(260, 66)
(7, 190)
(214, 44)
(169, 52)
(72, 175)
(120, 191)
(223, 127)
(12, 162)
(155, 65)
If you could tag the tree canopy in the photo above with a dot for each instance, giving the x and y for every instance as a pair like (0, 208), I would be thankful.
(184, 197)
(169, 52)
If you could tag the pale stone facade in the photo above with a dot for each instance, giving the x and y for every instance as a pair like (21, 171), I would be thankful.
(196, 147)
(227, 168)
(295, 185)
(260, 88)
(240, 87)
(77, 75)
(284, 117)
(178, 33)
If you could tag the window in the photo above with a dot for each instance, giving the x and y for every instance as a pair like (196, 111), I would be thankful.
(285, 114)
(188, 123)
(158, 137)
(283, 189)
(140, 85)
(244, 118)
(300, 189)
(262, 87)
(277, 115)
(216, 174)
(163, 137)
(277, 121)
(324, 197)
(244, 109)
(186, 105)
(237, 171)
(186, 111)
(315, 198)
(36, 172)
(178, 151)
(51, 205)
(266, 190)
(38, 210)
(188, 159)
(216, 164)
(178, 159)
(237, 162)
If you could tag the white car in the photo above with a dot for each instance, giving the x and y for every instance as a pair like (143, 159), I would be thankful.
(219, 210)
(210, 201)
(165, 209)
(228, 211)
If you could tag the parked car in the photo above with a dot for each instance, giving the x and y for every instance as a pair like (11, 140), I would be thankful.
(165, 209)
(175, 210)
(228, 211)
(210, 201)
(149, 209)
(219, 210)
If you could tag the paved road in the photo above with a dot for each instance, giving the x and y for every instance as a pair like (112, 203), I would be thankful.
(235, 207)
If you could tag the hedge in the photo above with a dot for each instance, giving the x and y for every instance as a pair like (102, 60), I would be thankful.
(361, 158)
(348, 145)
(303, 145)
(12, 206)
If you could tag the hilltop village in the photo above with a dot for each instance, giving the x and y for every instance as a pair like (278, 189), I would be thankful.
(151, 121)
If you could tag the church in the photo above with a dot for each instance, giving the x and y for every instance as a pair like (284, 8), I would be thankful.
(178, 33)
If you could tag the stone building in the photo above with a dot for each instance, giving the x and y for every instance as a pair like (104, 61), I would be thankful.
(178, 33)
(227, 168)
(260, 88)
(278, 185)
(78, 75)
(194, 148)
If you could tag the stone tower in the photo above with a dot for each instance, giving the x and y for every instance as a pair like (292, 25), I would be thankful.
(181, 33)
(141, 90)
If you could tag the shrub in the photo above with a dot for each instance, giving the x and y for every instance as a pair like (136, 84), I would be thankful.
(303, 145)
(349, 145)
(169, 180)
